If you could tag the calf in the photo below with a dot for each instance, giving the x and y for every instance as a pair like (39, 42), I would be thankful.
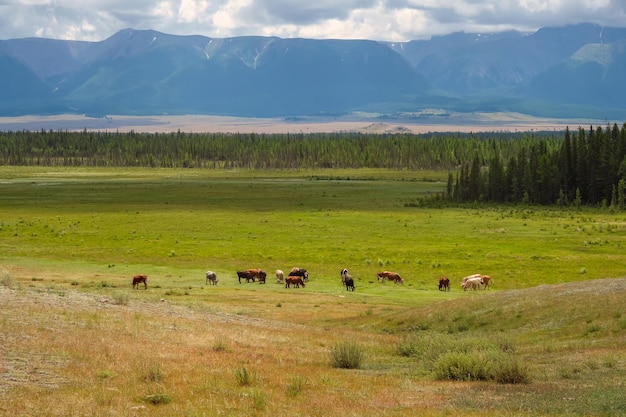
(138, 279)
(349, 283)
(444, 284)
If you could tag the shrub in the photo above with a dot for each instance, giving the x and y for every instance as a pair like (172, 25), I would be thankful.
(462, 367)
(346, 355)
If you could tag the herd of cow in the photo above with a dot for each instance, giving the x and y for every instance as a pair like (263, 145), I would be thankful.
(299, 277)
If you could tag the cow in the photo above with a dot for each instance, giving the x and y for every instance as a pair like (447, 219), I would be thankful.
(486, 281)
(245, 275)
(472, 283)
(296, 281)
(211, 277)
(392, 276)
(344, 275)
(444, 284)
(138, 279)
(349, 281)
(252, 275)
(299, 272)
(280, 276)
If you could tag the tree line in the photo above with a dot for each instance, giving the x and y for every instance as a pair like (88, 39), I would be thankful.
(580, 167)
(586, 167)
(255, 151)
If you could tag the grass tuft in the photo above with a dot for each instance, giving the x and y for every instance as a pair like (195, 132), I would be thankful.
(243, 377)
(6, 279)
(295, 385)
(346, 355)
(152, 372)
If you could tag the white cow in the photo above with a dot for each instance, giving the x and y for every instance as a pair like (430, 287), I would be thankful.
(473, 283)
(280, 276)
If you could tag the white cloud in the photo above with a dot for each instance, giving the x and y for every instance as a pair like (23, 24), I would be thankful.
(395, 20)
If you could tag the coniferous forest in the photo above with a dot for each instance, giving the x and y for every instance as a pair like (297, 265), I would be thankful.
(581, 167)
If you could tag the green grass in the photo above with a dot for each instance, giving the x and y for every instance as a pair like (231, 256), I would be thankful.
(188, 220)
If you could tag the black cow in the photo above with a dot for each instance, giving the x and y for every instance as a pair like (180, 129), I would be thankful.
(247, 275)
(349, 281)
(299, 272)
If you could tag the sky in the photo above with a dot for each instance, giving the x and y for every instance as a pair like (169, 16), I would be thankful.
(382, 20)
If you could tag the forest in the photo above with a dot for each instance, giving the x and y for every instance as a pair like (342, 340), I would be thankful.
(581, 167)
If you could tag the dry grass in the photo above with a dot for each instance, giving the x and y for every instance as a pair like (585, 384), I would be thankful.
(64, 352)
(103, 358)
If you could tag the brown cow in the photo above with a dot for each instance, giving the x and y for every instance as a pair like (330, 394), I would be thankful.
(486, 280)
(138, 279)
(444, 284)
(296, 281)
(392, 276)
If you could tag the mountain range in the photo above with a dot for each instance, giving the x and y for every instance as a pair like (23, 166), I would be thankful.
(570, 71)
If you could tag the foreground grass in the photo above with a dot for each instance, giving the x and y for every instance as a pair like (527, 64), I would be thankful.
(72, 328)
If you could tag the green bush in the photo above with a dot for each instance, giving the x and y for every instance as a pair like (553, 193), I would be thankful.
(462, 367)
(346, 355)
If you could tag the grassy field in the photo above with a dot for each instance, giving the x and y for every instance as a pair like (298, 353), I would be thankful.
(75, 339)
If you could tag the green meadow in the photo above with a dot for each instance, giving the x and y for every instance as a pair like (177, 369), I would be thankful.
(557, 299)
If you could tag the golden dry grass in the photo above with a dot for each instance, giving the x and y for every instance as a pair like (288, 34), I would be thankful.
(67, 352)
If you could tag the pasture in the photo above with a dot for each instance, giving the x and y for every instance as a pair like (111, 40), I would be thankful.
(76, 339)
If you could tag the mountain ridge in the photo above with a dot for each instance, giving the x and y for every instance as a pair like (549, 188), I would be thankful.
(569, 71)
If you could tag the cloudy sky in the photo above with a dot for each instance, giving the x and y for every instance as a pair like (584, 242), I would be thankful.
(386, 20)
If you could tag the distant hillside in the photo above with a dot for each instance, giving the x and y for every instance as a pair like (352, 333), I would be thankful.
(572, 71)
